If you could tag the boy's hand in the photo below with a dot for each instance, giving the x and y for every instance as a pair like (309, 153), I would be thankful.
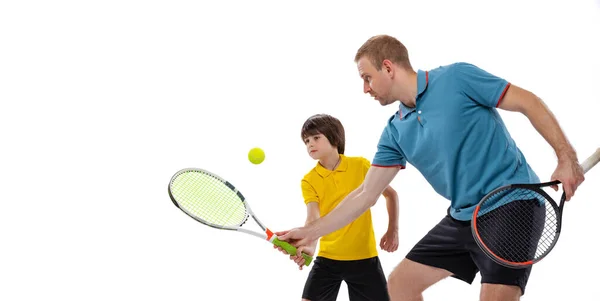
(389, 241)
(299, 259)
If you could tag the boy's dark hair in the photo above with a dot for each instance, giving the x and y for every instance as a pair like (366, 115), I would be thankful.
(327, 125)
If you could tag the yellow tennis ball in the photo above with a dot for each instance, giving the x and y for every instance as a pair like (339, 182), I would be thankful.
(256, 155)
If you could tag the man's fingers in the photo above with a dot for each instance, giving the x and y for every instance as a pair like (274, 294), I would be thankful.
(280, 233)
(568, 191)
(284, 235)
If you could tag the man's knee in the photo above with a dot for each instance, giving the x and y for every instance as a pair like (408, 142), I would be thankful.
(500, 292)
(409, 279)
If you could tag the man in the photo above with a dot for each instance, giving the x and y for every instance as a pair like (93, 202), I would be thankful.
(447, 127)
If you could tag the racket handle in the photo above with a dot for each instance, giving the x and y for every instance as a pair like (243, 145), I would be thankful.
(292, 250)
(591, 161)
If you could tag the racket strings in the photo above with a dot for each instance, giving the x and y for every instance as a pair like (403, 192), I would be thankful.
(209, 199)
(517, 225)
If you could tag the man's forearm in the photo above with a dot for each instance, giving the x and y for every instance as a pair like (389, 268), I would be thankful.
(546, 124)
(349, 209)
(355, 203)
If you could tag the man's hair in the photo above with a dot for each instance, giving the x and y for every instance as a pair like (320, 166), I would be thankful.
(383, 47)
(327, 125)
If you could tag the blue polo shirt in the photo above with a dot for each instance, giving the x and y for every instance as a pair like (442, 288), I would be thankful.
(455, 137)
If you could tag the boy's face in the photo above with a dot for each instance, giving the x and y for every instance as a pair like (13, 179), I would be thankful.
(318, 146)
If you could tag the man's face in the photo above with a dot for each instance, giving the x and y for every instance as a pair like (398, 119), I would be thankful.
(377, 83)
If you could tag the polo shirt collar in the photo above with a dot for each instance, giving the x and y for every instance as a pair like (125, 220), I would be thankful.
(422, 81)
(324, 172)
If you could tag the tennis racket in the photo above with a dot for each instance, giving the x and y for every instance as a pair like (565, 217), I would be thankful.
(215, 202)
(518, 225)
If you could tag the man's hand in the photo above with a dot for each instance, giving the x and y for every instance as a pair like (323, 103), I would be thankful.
(569, 173)
(389, 241)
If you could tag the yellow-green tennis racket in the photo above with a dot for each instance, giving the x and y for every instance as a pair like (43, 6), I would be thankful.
(215, 202)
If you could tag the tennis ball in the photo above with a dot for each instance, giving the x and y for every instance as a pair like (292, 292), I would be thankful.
(256, 155)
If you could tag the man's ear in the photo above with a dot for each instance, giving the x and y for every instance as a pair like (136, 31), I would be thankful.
(388, 67)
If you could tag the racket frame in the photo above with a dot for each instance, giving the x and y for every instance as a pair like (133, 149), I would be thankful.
(535, 188)
(267, 235)
(589, 162)
(248, 210)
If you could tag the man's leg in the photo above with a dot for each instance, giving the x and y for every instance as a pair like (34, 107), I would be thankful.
(409, 279)
(439, 254)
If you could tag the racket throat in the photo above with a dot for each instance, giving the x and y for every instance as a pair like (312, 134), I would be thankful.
(270, 235)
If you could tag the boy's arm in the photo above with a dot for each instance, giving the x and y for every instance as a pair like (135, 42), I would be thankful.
(389, 241)
(392, 204)
(313, 213)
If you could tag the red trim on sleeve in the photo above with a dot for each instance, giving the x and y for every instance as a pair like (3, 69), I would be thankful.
(388, 166)
(502, 95)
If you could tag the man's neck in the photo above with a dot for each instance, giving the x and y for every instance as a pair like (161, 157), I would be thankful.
(410, 100)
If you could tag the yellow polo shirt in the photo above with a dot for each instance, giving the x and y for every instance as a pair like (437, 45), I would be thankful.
(328, 188)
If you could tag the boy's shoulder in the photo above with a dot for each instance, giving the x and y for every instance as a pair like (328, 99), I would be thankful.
(312, 173)
(350, 162)
(357, 160)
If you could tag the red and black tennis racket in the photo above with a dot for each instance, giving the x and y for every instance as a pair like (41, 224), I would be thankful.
(518, 225)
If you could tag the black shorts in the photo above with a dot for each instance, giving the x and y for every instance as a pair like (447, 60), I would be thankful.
(450, 246)
(364, 278)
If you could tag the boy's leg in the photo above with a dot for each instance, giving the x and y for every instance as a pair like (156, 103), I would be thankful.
(324, 280)
(365, 280)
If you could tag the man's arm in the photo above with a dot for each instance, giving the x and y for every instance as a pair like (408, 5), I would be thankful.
(569, 171)
(355, 203)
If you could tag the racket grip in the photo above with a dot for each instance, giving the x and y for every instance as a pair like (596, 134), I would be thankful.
(292, 250)
(591, 161)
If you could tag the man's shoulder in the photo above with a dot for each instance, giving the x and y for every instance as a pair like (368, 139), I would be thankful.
(450, 69)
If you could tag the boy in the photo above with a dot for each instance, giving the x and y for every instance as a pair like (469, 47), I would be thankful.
(350, 253)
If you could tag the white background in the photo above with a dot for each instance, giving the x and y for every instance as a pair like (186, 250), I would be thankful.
(103, 101)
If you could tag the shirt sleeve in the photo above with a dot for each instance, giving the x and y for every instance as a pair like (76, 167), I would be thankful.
(308, 192)
(388, 152)
(479, 85)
